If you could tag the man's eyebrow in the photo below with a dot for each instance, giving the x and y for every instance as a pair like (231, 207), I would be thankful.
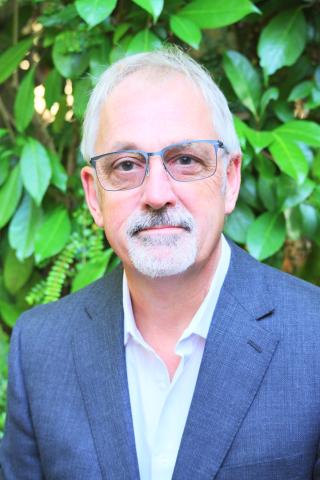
(133, 146)
(124, 146)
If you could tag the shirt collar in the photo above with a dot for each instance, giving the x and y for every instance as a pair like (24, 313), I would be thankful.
(201, 321)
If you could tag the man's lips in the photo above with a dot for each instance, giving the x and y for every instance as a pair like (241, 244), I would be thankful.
(159, 228)
(154, 227)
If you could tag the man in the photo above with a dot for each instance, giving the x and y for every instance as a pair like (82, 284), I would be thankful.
(194, 362)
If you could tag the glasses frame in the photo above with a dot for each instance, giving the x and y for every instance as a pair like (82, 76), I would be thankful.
(215, 143)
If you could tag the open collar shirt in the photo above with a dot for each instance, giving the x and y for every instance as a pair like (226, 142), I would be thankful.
(159, 406)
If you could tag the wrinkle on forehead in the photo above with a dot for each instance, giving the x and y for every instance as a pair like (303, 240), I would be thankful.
(156, 92)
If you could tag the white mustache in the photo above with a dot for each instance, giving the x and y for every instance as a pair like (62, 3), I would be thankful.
(171, 217)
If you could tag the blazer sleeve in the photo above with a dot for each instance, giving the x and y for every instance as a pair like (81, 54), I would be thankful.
(19, 456)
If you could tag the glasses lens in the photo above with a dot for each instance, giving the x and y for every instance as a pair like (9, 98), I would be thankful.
(121, 170)
(191, 161)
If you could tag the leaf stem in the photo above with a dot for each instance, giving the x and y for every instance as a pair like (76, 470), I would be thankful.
(7, 119)
(43, 132)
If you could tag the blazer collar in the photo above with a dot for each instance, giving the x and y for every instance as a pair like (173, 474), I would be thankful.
(101, 371)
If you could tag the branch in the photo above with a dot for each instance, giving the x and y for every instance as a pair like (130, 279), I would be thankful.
(6, 119)
(43, 132)
(71, 157)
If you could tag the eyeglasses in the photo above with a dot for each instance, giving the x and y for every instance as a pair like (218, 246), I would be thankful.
(184, 162)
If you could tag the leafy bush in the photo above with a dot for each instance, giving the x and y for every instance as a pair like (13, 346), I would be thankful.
(265, 56)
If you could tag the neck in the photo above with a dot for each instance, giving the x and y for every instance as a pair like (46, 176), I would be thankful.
(164, 307)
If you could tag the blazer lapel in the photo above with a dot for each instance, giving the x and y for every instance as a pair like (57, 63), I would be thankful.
(99, 357)
(237, 355)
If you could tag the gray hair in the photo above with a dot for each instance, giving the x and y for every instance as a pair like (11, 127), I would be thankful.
(170, 58)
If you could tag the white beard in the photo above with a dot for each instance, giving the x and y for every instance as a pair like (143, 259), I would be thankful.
(161, 254)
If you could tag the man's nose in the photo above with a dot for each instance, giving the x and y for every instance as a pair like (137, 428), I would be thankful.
(157, 187)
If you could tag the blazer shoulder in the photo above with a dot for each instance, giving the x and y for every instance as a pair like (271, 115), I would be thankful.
(66, 314)
(264, 280)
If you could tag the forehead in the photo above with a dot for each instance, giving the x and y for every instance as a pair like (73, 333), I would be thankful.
(154, 107)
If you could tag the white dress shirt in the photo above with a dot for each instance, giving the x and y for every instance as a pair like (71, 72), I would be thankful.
(160, 407)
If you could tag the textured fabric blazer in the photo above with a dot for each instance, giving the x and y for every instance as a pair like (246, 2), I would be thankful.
(255, 413)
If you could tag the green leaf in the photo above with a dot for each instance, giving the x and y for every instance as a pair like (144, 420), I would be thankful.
(144, 41)
(4, 348)
(240, 127)
(94, 12)
(120, 31)
(290, 193)
(4, 165)
(91, 271)
(283, 111)
(59, 16)
(81, 93)
(4, 295)
(53, 234)
(154, 7)
(99, 59)
(53, 88)
(289, 158)
(282, 40)
(300, 131)
(248, 191)
(271, 94)
(314, 100)
(258, 139)
(237, 224)
(293, 223)
(186, 30)
(265, 166)
(11, 58)
(266, 235)
(243, 78)
(317, 76)
(315, 168)
(301, 90)
(71, 64)
(15, 272)
(35, 169)
(24, 102)
(218, 13)
(9, 313)
(59, 124)
(120, 49)
(310, 220)
(59, 177)
(267, 192)
(10, 194)
(315, 197)
(23, 228)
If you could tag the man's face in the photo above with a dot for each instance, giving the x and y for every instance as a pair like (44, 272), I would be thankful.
(162, 227)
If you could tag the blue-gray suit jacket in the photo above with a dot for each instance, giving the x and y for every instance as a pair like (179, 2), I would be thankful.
(255, 413)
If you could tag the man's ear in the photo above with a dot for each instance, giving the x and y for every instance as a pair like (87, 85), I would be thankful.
(233, 180)
(90, 187)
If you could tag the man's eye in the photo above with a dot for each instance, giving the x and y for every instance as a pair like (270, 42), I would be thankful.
(186, 160)
(125, 166)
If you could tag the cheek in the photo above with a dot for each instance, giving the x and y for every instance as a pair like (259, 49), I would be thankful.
(116, 212)
(208, 210)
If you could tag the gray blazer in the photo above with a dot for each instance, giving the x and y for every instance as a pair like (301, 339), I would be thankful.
(255, 413)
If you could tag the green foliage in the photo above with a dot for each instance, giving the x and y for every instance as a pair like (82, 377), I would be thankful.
(263, 54)
(282, 40)
(23, 105)
(10, 59)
